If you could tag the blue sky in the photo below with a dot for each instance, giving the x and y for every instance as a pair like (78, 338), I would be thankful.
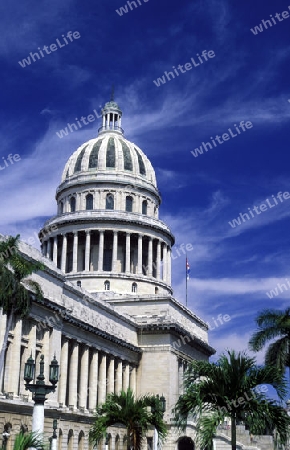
(247, 80)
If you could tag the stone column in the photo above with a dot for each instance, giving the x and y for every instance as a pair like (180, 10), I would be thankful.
(164, 262)
(150, 257)
(88, 250)
(126, 376)
(12, 369)
(54, 349)
(180, 377)
(54, 256)
(84, 376)
(119, 372)
(73, 375)
(111, 374)
(3, 322)
(28, 350)
(169, 265)
(128, 251)
(93, 380)
(133, 380)
(115, 251)
(158, 260)
(48, 248)
(63, 373)
(63, 253)
(101, 251)
(75, 252)
(102, 380)
(140, 241)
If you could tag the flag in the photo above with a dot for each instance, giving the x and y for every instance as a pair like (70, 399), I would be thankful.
(187, 269)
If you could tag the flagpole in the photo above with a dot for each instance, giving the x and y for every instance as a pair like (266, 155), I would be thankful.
(186, 280)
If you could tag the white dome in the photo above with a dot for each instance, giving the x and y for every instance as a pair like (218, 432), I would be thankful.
(109, 154)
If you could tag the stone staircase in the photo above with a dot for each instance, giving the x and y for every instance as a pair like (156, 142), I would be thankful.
(222, 441)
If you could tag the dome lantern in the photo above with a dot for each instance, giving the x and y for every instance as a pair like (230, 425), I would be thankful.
(111, 115)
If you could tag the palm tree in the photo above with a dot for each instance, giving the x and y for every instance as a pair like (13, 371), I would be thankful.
(16, 288)
(137, 415)
(24, 441)
(273, 324)
(215, 391)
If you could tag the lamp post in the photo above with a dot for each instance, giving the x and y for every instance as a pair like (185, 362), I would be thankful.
(161, 408)
(40, 389)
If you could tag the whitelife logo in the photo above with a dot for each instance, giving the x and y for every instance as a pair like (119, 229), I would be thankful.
(267, 23)
(223, 138)
(53, 47)
(263, 207)
(205, 56)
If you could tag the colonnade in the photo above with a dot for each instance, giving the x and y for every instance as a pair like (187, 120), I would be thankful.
(136, 253)
(100, 374)
(87, 374)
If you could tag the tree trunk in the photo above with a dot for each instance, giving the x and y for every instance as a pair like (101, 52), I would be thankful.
(5, 340)
(128, 440)
(234, 432)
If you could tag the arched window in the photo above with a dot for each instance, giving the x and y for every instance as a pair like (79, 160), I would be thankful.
(156, 290)
(89, 201)
(144, 207)
(72, 204)
(79, 283)
(70, 440)
(134, 287)
(127, 157)
(142, 169)
(109, 201)
(107, 285)
(81, 440)
(78, 165)
(129, 203)
(93, 161)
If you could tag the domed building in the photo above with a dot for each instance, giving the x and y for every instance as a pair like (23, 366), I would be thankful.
(108, 313)
(109, 235)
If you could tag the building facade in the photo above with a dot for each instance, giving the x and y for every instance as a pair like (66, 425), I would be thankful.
(108, 312)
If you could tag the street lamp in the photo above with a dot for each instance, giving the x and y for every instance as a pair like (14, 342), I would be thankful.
(161, 408)
(40, 389)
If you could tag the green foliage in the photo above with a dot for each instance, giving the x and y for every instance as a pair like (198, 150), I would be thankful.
(273, 324)
(15, 286)
(215, 391)
(137, 415)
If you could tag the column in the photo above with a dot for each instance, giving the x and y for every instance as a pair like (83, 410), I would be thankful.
(115, 251)
(54, 255)
(119, 373)
(29, 350)
(3, 322)
(150, 257)
(139, 271)
(164, 262)
(12, 368)
(87, 250)
(73, 375)
(84, 378)
(101, 251)
(180, 376)
(63, 253)
(48, 248)
(62, 384)
(45, 352)
(93, 380)
(75, 252)
(158, 260)
(55, 336)
(111, 374)
(169, 265)
(126, 376)
(133, 380)
(128, 251)
(102, 380)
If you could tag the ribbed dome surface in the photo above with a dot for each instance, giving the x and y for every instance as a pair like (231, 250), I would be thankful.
(109, 153)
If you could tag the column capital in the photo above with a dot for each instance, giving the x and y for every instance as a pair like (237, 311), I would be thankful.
(88, 231)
